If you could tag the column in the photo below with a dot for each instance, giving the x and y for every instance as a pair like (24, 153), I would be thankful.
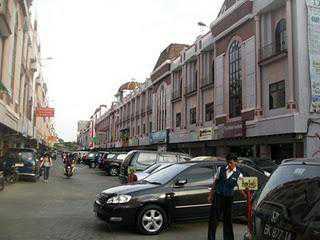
(258, 112)
(291, 102)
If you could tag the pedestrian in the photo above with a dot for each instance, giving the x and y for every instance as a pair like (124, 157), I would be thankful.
(221, 198)
(47, 164)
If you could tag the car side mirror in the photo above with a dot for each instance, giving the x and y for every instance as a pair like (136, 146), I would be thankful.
(181, 182)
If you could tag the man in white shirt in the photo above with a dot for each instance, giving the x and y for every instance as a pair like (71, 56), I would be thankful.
(221, 196)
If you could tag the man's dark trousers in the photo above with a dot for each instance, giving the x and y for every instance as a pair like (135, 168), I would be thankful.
(221, 207)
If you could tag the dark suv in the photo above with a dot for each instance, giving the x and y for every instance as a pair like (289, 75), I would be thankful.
(112, 163)
(288, 207)
(140, 160)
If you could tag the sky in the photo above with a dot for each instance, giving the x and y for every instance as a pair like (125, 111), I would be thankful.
(98, 45)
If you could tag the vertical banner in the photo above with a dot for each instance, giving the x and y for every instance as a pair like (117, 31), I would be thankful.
(314, 52)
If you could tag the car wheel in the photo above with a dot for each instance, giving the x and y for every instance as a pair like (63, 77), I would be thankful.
(152, 219)
(113, 171)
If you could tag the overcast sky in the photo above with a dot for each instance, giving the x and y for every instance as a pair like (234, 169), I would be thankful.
(99, 44)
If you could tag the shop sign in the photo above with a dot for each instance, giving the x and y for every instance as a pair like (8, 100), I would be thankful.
(248, 183)
(234, 129)
(314, 52)
(52, 139)
(194, 136)
(159, 137)
(206, 134)
(45, 112)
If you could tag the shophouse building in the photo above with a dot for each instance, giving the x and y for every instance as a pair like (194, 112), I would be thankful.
(248, 86)
(22, 88)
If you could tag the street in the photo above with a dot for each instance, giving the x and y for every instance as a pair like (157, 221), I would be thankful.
(62, 210)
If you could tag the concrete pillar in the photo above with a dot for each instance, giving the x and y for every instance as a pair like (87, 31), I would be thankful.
(291, 101)
(199, 92)
(258, 112)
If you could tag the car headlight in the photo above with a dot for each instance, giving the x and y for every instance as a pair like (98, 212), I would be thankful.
(119, 199)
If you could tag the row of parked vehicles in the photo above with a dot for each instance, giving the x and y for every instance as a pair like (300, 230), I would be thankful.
(166, 188)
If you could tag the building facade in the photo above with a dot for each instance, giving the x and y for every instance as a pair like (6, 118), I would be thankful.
(244, 87)
(22, 88)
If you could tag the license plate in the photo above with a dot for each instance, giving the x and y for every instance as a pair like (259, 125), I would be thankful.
(19, 165)
(274, 233)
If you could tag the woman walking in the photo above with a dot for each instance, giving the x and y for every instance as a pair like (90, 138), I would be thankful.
(46, 163)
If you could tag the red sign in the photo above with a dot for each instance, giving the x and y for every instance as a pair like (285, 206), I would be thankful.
(45, 112)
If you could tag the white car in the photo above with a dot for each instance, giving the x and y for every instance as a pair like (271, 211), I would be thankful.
(150, 170)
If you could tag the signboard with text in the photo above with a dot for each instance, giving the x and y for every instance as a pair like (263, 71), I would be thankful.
(206, 134)
(314, 52)
(234, 129)
(45, 112)
(248, 183)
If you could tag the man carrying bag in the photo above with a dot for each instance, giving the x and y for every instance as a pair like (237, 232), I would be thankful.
(221, 198)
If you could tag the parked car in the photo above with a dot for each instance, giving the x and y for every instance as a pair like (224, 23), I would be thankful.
(112, 163)
(25, 161)
(263, 164)
(288, 207)
(177, 193)
(91, 159)
(140, 160)
(150, 170)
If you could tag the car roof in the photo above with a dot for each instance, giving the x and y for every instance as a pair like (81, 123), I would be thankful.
(22, 150)
(312, 161)
(151, 151)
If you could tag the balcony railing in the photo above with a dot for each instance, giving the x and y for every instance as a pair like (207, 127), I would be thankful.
(191, 87)
(273, 49)
(176, 94)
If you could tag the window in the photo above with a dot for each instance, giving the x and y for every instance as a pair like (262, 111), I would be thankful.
(277, 95)
(132, 131)
(150, 127)
(178, 120)
(281, 36)
(168, 159)
(147, 158)
(197, 176)
(193, 113)
(209, 112)
(138, 130)
(235, 89)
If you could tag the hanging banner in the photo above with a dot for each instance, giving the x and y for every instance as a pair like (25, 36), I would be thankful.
(45, 112)
(314, 52)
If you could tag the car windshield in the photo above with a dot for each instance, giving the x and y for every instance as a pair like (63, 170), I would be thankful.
(110, 156)
(165, 175)
(121, 157)
(264, 163)
(26, 157)
(288, 180)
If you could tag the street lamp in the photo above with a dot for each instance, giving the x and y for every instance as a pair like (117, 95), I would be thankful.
(201, 24)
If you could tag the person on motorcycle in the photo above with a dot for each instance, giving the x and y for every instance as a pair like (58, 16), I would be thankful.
(68, 161)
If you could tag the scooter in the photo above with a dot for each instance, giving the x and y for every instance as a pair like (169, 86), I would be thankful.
(69, 171)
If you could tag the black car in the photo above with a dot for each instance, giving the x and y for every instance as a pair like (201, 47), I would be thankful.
(177, 193)
(112, 163)
(140, 160)
(288, 207)
(263, 164)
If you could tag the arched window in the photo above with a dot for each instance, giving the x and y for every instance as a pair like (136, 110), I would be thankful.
(281, 36)
(235, 89)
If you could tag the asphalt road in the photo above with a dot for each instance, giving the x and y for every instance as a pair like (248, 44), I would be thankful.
(62, 210)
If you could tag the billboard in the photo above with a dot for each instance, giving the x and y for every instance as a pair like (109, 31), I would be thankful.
(314, 52)
(45, 112)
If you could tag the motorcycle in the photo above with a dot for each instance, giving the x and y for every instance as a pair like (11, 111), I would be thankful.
(69, 171)
(10, 174)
